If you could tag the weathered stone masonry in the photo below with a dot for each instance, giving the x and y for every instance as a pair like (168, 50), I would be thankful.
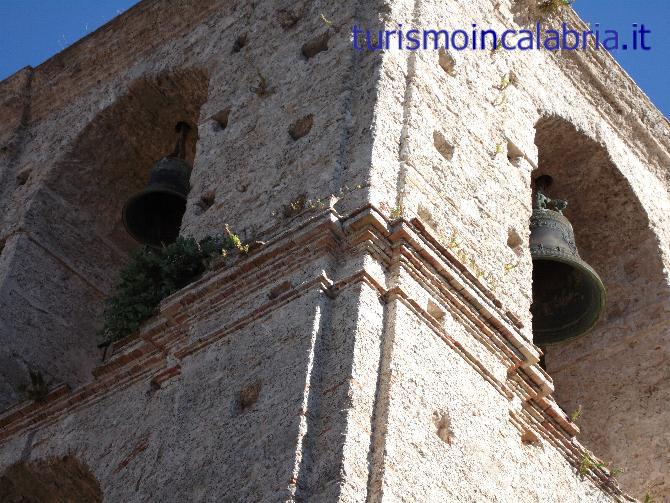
(328, 368)
(378, 345)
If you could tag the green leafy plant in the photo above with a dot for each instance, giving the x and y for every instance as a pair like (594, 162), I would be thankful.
(576, 414)
(648, 498)
(496, 47)
(397, 212)
(155, 273)
(296, 206)
(615, 471)
(588, 463)
(506, 80)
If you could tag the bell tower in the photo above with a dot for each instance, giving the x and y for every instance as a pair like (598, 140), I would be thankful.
(399, 321)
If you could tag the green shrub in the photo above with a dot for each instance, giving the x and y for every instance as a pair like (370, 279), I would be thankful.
(155, 273)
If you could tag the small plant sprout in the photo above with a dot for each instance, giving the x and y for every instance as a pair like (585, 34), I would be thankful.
(295, 207)
(576, 414)
(497, 46)
(38, 389)
(585, 465)
(648, 498)
(588, 463)
(501, 99)
(326, 20)
(263, 88)
(397, 212)
(615, 471)
(509, 79)
(505, 82)
(510, 267)
(234, 241)
(453, 240)
(554, 6)
(498, 150)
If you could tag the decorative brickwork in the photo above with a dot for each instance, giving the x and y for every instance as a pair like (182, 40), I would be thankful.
(375, 344)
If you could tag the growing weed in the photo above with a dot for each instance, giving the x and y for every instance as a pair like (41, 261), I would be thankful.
(550, 7)
(38, 388)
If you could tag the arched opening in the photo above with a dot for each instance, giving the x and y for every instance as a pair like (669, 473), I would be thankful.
(58, 480)
(111, 159)
(76, 242)
(607, 373)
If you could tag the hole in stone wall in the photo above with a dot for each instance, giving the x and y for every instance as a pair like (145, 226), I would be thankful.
(301, 127)
(23, 176)
(50, 481)
(295, 207)
(279, 289)
(426, 216)
(442, 424)
(221, 119)
(205, 201)
(240, 42)
(514, 241)
(514, 153)
(316, 45)
(529, 437)
(435, 311)
(287, 19)
(248, 396)
(447, 61)
(441, 144)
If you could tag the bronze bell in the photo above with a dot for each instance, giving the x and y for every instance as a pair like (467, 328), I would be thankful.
(153, 215)
(568, 295)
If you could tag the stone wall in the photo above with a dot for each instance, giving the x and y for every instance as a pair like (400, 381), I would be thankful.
(350, 359)
(475, 122)
(350, 354)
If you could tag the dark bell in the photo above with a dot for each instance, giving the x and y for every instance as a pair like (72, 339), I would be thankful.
(153, 216)
(568, 295)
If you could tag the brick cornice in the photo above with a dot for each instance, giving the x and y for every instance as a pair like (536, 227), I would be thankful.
(156, 353)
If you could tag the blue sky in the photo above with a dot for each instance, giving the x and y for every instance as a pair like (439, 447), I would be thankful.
(33, 30)
(650, 69)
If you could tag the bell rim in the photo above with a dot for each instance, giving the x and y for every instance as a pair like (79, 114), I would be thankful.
(569, 259)
(139, 194)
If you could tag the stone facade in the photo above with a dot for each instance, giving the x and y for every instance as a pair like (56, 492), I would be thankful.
(378, 345)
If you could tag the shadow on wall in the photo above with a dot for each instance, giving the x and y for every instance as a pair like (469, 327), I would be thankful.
(77, 243)
(49, 481)
(607, 371)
